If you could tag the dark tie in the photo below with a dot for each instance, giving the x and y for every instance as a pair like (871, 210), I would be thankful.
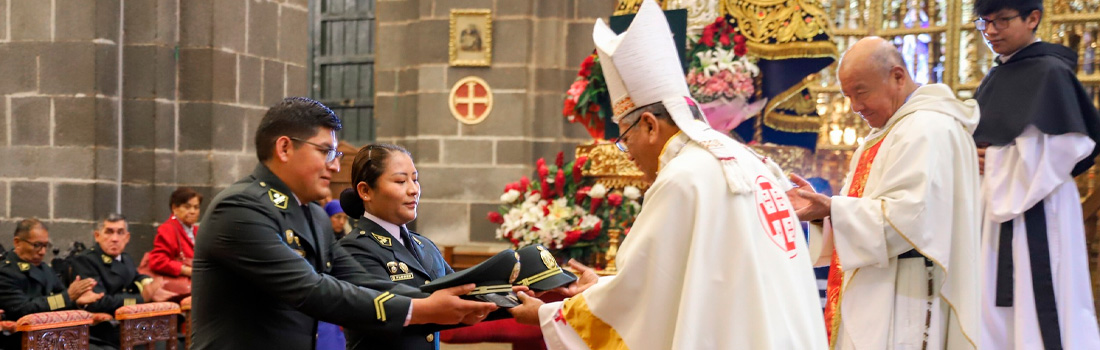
(407, 237)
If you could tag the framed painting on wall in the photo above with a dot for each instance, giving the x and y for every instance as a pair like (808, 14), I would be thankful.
(471, 42)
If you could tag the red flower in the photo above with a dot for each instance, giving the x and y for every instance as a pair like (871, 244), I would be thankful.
(724, 39)
(627, 232)
(614, 199)
(739, 48)
(545, 210)
(567, 109)
(593, 233)
(541, 162)
(559, 181)
(595, 204)
(571, 237)
(582, 193)
(546, 190)
(523, 183)
(560, 159)
(708, 36)
(586, 66)
(578, 173)
(543, 171)
(495, 217)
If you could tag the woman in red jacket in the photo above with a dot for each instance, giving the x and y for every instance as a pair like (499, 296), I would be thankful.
(174, 246)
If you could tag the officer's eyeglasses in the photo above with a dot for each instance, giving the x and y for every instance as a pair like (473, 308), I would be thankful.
(619, 140)
(38, 245)
(1000, 23)
(331, 154)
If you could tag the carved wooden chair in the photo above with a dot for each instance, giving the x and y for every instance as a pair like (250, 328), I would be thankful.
(185, 305)
(55, 330)
(147, 324)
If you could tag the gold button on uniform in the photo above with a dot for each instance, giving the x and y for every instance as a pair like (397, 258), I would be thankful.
(430, 338)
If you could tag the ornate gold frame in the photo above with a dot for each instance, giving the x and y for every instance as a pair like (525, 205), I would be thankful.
(487, 36)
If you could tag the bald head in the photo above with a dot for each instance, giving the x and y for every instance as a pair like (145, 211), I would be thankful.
(872, 54)
(873, 76)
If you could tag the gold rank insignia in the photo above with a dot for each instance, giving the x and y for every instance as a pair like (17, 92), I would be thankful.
(278, 198)
(392, 266)
(106, 258)
(383, 240)
(547, 258)
(24, 266)
(379, 305)
(417, 241)
(404, 268)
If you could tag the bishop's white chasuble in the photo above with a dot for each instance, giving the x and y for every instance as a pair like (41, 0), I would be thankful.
(702, 268)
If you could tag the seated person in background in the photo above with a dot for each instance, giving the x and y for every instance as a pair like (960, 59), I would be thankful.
(174, 245)
(28, 286)
(385, 195)
(115, 273)
(338, 218)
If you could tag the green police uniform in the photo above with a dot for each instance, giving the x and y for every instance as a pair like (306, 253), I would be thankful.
(265, 272)
(26, 289)
(119, 282)
(414, 264)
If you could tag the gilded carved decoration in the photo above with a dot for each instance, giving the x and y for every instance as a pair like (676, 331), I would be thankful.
(610, 166)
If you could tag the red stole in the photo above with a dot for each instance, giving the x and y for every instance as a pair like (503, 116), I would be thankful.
(836, 275)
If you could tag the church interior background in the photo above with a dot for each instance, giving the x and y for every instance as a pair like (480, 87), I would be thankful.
(109, 105)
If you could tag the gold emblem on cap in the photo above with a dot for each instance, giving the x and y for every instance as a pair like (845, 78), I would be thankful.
(547, 257)
(392, 266)
(515, 273)
(404, 268)
(278, 198)
(24, 266)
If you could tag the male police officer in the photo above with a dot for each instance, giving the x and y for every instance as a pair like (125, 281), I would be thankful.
(266, 268)
(28, 286)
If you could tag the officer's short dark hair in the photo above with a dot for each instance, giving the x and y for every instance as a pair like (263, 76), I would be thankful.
(182, 195)
(1024, 7)
(298, 117)
(24, 227)
(368, 166)
(112, 217)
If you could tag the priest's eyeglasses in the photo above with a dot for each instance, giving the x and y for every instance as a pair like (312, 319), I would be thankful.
(619, 140)
(331, 154)
(1000, 23)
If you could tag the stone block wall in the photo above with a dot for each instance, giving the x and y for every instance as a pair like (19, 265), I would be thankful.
(109, 105)
(537, 49)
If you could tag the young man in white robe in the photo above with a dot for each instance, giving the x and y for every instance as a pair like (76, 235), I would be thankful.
(716, 258)
(903, 240)
(1039, 130)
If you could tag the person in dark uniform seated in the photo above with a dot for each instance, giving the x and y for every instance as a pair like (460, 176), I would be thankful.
(116, 276)
(28, 286)
(384, 199)
(267, 267)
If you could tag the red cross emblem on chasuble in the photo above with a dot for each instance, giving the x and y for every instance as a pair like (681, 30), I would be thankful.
(471, 100)
(775, 214)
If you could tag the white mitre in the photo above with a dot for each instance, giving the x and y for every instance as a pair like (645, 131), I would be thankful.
(641, 67)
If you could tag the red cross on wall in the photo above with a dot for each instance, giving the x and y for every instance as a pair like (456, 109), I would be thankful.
(471, 100)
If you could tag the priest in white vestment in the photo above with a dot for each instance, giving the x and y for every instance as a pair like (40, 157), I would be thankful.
(716, 258)
(904, 235)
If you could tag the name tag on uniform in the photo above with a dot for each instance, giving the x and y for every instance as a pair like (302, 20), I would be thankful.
(401, 277)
